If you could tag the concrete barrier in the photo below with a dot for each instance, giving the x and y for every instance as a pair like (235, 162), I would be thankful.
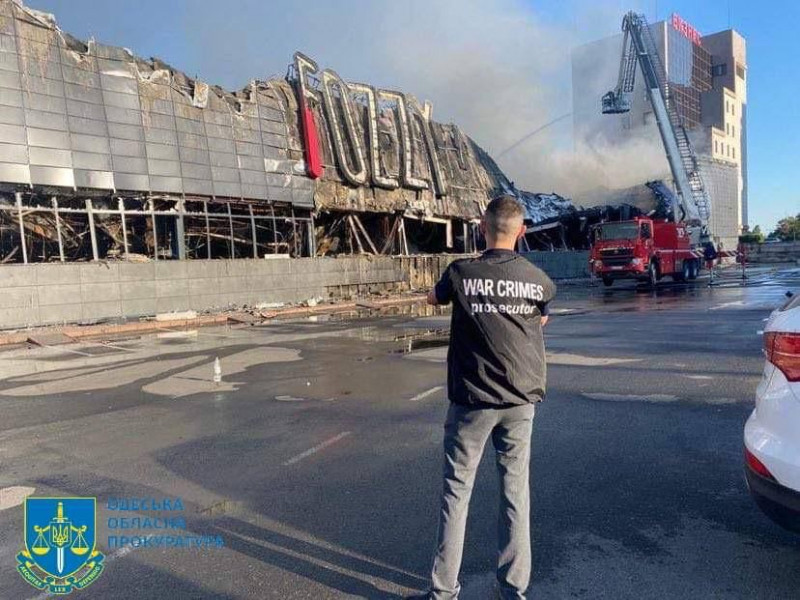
(562, 265)
(59, 294)
(778, 252)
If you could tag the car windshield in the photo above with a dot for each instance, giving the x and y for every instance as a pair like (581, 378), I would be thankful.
(618, 231)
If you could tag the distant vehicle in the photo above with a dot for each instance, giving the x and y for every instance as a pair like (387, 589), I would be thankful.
(772, 433)
(644, 249)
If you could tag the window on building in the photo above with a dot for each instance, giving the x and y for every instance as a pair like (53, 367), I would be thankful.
(727, 128)
(733, 130)
(739, 71)
(716, 146)
(734, 152)
(733, 108)
(727, 106)
(719, 70)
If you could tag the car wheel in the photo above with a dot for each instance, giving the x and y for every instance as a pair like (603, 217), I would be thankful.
(607, 281)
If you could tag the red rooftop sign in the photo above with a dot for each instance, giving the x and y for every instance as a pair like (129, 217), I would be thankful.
(687, 30)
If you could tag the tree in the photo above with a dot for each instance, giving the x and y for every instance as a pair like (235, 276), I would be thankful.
(787, 230)
(752, 237)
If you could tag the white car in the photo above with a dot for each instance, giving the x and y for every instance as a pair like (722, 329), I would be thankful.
(772, 433)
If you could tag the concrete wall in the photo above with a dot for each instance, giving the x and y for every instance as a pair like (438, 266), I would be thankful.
(562, 265)
(53, 294)
(773, 253)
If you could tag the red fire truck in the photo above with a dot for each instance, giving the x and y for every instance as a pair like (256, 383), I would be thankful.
(645, 249)
(649, 248)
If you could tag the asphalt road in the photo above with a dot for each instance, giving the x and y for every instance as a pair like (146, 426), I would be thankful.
(317, 458)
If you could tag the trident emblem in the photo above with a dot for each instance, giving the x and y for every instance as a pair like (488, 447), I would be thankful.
(61, 530)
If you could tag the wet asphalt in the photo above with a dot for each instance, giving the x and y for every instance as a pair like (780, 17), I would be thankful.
(317, 458)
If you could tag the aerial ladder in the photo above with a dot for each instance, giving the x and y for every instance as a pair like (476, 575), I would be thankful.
(639, 46)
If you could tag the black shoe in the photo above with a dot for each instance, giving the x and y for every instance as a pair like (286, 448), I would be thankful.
(425, 596)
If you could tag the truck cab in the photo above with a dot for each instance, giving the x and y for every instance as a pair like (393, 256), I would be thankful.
(644, 249)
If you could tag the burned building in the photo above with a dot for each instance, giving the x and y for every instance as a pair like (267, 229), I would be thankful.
(107, 155)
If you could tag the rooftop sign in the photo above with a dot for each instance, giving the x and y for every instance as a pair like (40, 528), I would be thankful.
(687, 30)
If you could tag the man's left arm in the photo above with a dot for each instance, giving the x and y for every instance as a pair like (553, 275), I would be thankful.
(442, 292)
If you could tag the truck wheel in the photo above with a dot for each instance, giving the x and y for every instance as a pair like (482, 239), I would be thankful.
(652, 275)
(607, 281)
(694, 270)
(686, 271)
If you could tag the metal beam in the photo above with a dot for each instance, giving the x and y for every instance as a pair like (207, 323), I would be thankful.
(58, 229)
(121, 205)
(23, 245)
(92, 231)
(253, 230)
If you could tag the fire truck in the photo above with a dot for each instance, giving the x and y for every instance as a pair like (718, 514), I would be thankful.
(649, 248)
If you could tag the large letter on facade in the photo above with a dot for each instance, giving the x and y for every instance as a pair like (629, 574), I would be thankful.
(303, 65)
(424, 114)
(357, 175)
(409, 180)
(389, 183)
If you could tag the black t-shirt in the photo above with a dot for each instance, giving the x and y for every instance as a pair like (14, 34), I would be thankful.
(496, 355)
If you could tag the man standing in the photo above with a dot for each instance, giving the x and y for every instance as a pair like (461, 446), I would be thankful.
(495, 375)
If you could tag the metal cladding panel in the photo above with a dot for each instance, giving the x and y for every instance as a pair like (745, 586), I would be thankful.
(10, 80)
(126, 132)
(46, 120)
(252, 177)
(46, 69)
(131, 182)
(225, 174)
(121, 100)
(46, 87)
(13, 134)
(172, 185)
(12, 173)
(82, 93)
(125, 116)
(14, 153)
(303, 198)
(221, 146)
(196, 142)
(9, 62)
(231, 190)
(94, 162)
(158, 121)
(83, 77)
(197, 186)
(189, 126)
(280, 194)
(46, 103)
(120, 84)
(257, 192)
(194, 155)
(90, 143)
(101, 180)
(47, 138)
(86, 110)
(127, 148)
(52, 176)
(12, 115)
(162, 152)
(161, 136)
(11, 97)
(163, 168)
(129, 164)
(87, 126)
(49, 157)
(222, 159)
(195, 171)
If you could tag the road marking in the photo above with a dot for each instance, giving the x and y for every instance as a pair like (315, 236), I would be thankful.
(317, 448)
(631, 397)
(426, 393)
(14, 496)
(62, 349)
(107, 345)
(110, 558)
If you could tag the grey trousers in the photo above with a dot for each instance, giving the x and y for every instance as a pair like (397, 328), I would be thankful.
(465, 434)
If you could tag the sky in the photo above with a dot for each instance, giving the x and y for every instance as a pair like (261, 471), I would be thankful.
(497, 68)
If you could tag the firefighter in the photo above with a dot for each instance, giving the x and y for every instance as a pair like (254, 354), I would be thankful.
(710, 255)
(495, 376)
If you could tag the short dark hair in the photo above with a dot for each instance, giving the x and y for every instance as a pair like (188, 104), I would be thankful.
(503, 216)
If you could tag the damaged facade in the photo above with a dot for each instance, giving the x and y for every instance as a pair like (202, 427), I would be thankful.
(105, 155)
